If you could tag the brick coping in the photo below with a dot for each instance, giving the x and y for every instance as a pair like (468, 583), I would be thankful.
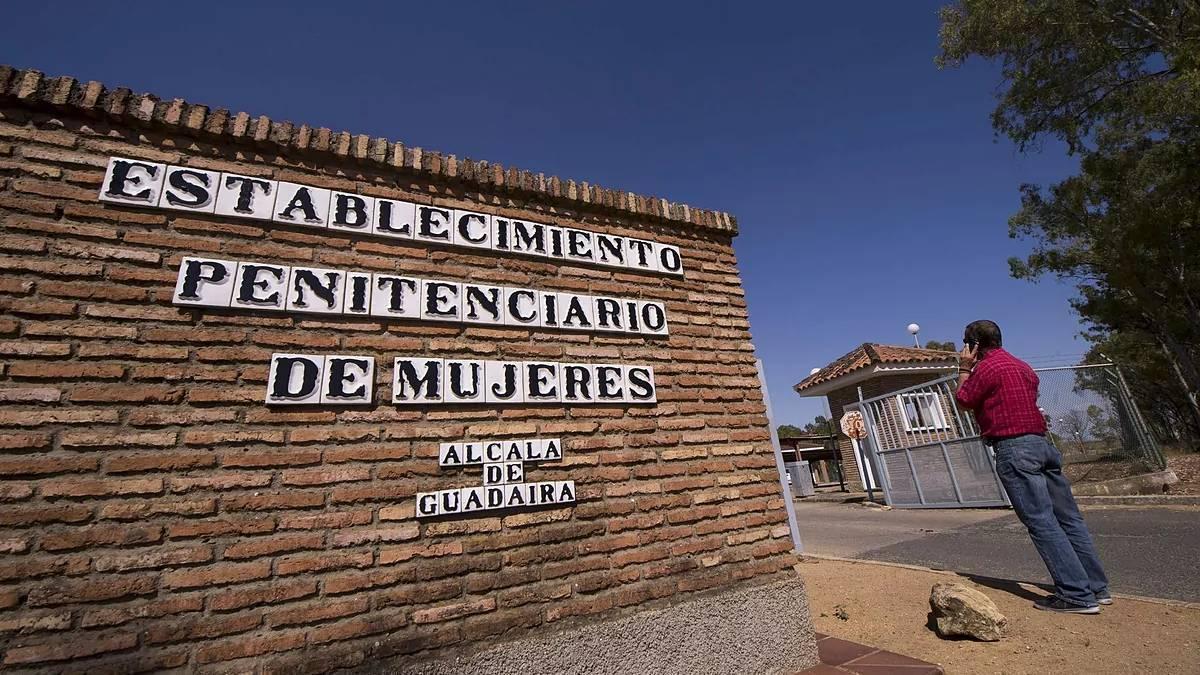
(34, 89)
(843, 656)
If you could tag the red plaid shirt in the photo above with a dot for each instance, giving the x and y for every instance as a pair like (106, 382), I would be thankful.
(1003, 392)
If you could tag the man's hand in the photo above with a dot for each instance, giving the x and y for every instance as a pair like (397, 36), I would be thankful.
(968, 357)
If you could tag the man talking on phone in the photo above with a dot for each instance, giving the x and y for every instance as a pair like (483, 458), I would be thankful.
(1002, 390)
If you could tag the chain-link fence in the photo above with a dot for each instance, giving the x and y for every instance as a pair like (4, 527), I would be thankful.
(1094, 423)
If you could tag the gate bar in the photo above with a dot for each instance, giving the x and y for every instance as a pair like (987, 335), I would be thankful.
(950, 469)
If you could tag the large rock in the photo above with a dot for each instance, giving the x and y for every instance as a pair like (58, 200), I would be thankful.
(959, 610)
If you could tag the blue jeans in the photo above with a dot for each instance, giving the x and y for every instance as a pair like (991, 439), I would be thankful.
(1031, 470)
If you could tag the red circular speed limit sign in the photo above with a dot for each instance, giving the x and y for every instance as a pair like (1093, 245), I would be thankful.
(852, 425)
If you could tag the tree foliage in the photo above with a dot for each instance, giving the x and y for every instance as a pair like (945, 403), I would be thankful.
(941, 346)
(819, 425)
(1119, 84)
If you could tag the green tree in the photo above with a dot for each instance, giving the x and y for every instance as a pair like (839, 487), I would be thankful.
(1119, 84)
(1163, 403)
(788, 430)
(819, 425)
(941, 346)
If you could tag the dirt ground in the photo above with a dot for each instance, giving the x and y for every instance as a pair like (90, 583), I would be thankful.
(1187, 468)
(888, 607)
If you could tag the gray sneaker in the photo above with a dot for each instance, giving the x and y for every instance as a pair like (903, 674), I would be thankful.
(1053, 603)
(1104, 598)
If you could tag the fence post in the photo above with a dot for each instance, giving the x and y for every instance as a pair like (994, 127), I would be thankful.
(788, 504)
(1149, 443)
(864, 448)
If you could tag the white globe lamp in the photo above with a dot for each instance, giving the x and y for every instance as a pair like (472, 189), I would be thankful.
(915, 328)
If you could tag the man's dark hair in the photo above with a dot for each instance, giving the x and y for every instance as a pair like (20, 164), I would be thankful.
(984, 333)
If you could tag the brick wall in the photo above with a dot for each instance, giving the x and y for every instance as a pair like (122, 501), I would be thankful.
(156, 514)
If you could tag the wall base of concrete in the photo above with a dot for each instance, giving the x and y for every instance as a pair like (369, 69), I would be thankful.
(1143, 484)
(758, 628)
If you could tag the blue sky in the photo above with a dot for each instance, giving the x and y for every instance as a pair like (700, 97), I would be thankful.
(870, 189)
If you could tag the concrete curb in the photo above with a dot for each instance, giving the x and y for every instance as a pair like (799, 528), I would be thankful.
(1138, 500)
(917, 568)
(1143, 484)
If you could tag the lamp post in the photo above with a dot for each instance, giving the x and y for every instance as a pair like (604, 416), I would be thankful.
(914, 329)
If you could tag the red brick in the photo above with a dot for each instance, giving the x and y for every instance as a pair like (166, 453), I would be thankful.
(276, 416)
(66, 371)
(232, 437)
(33, 418)
(99, 350)
(261, 594)
(44, 464)
(305, 477)
(261, 458)
(25, 348)
(42, 309)
(92, 589)
(245, 647)
(219, 481)
(161, 417)
(389, 556)
(24, 441)
(305, 563)
(58, 650)
(139, 510)
(126, 393)
(217, 575)
(175, 604)
(404, 512)
(91, 291)
(193, 628)
(606, 544)
(28, 205)
(29, 567)
(456, 610)
(91, 439)
(152, 559)
(135, 313)
(26, 245)
(66, 487)
(332, 434)
(141, 661)
(580, 607)
(639, 555)
(224, 526)
(325, 521)
(171, 461)
(48, 267)
(279, 543)
(14, 545)
(324, 610)
(59, 513)
(28, 622)
(9, 598)
(370, 535)
(101, 535)
(272, 501)
(374, 623)
(29, 395)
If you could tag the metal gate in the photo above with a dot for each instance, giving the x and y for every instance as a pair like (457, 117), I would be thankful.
(927, 453)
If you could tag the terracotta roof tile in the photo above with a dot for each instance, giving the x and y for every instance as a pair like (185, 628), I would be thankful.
(869, 354)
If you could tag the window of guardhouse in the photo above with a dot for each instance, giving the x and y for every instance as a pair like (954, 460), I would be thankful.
(921, 412)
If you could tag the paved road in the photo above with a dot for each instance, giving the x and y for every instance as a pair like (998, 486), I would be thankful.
(1150, 551)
